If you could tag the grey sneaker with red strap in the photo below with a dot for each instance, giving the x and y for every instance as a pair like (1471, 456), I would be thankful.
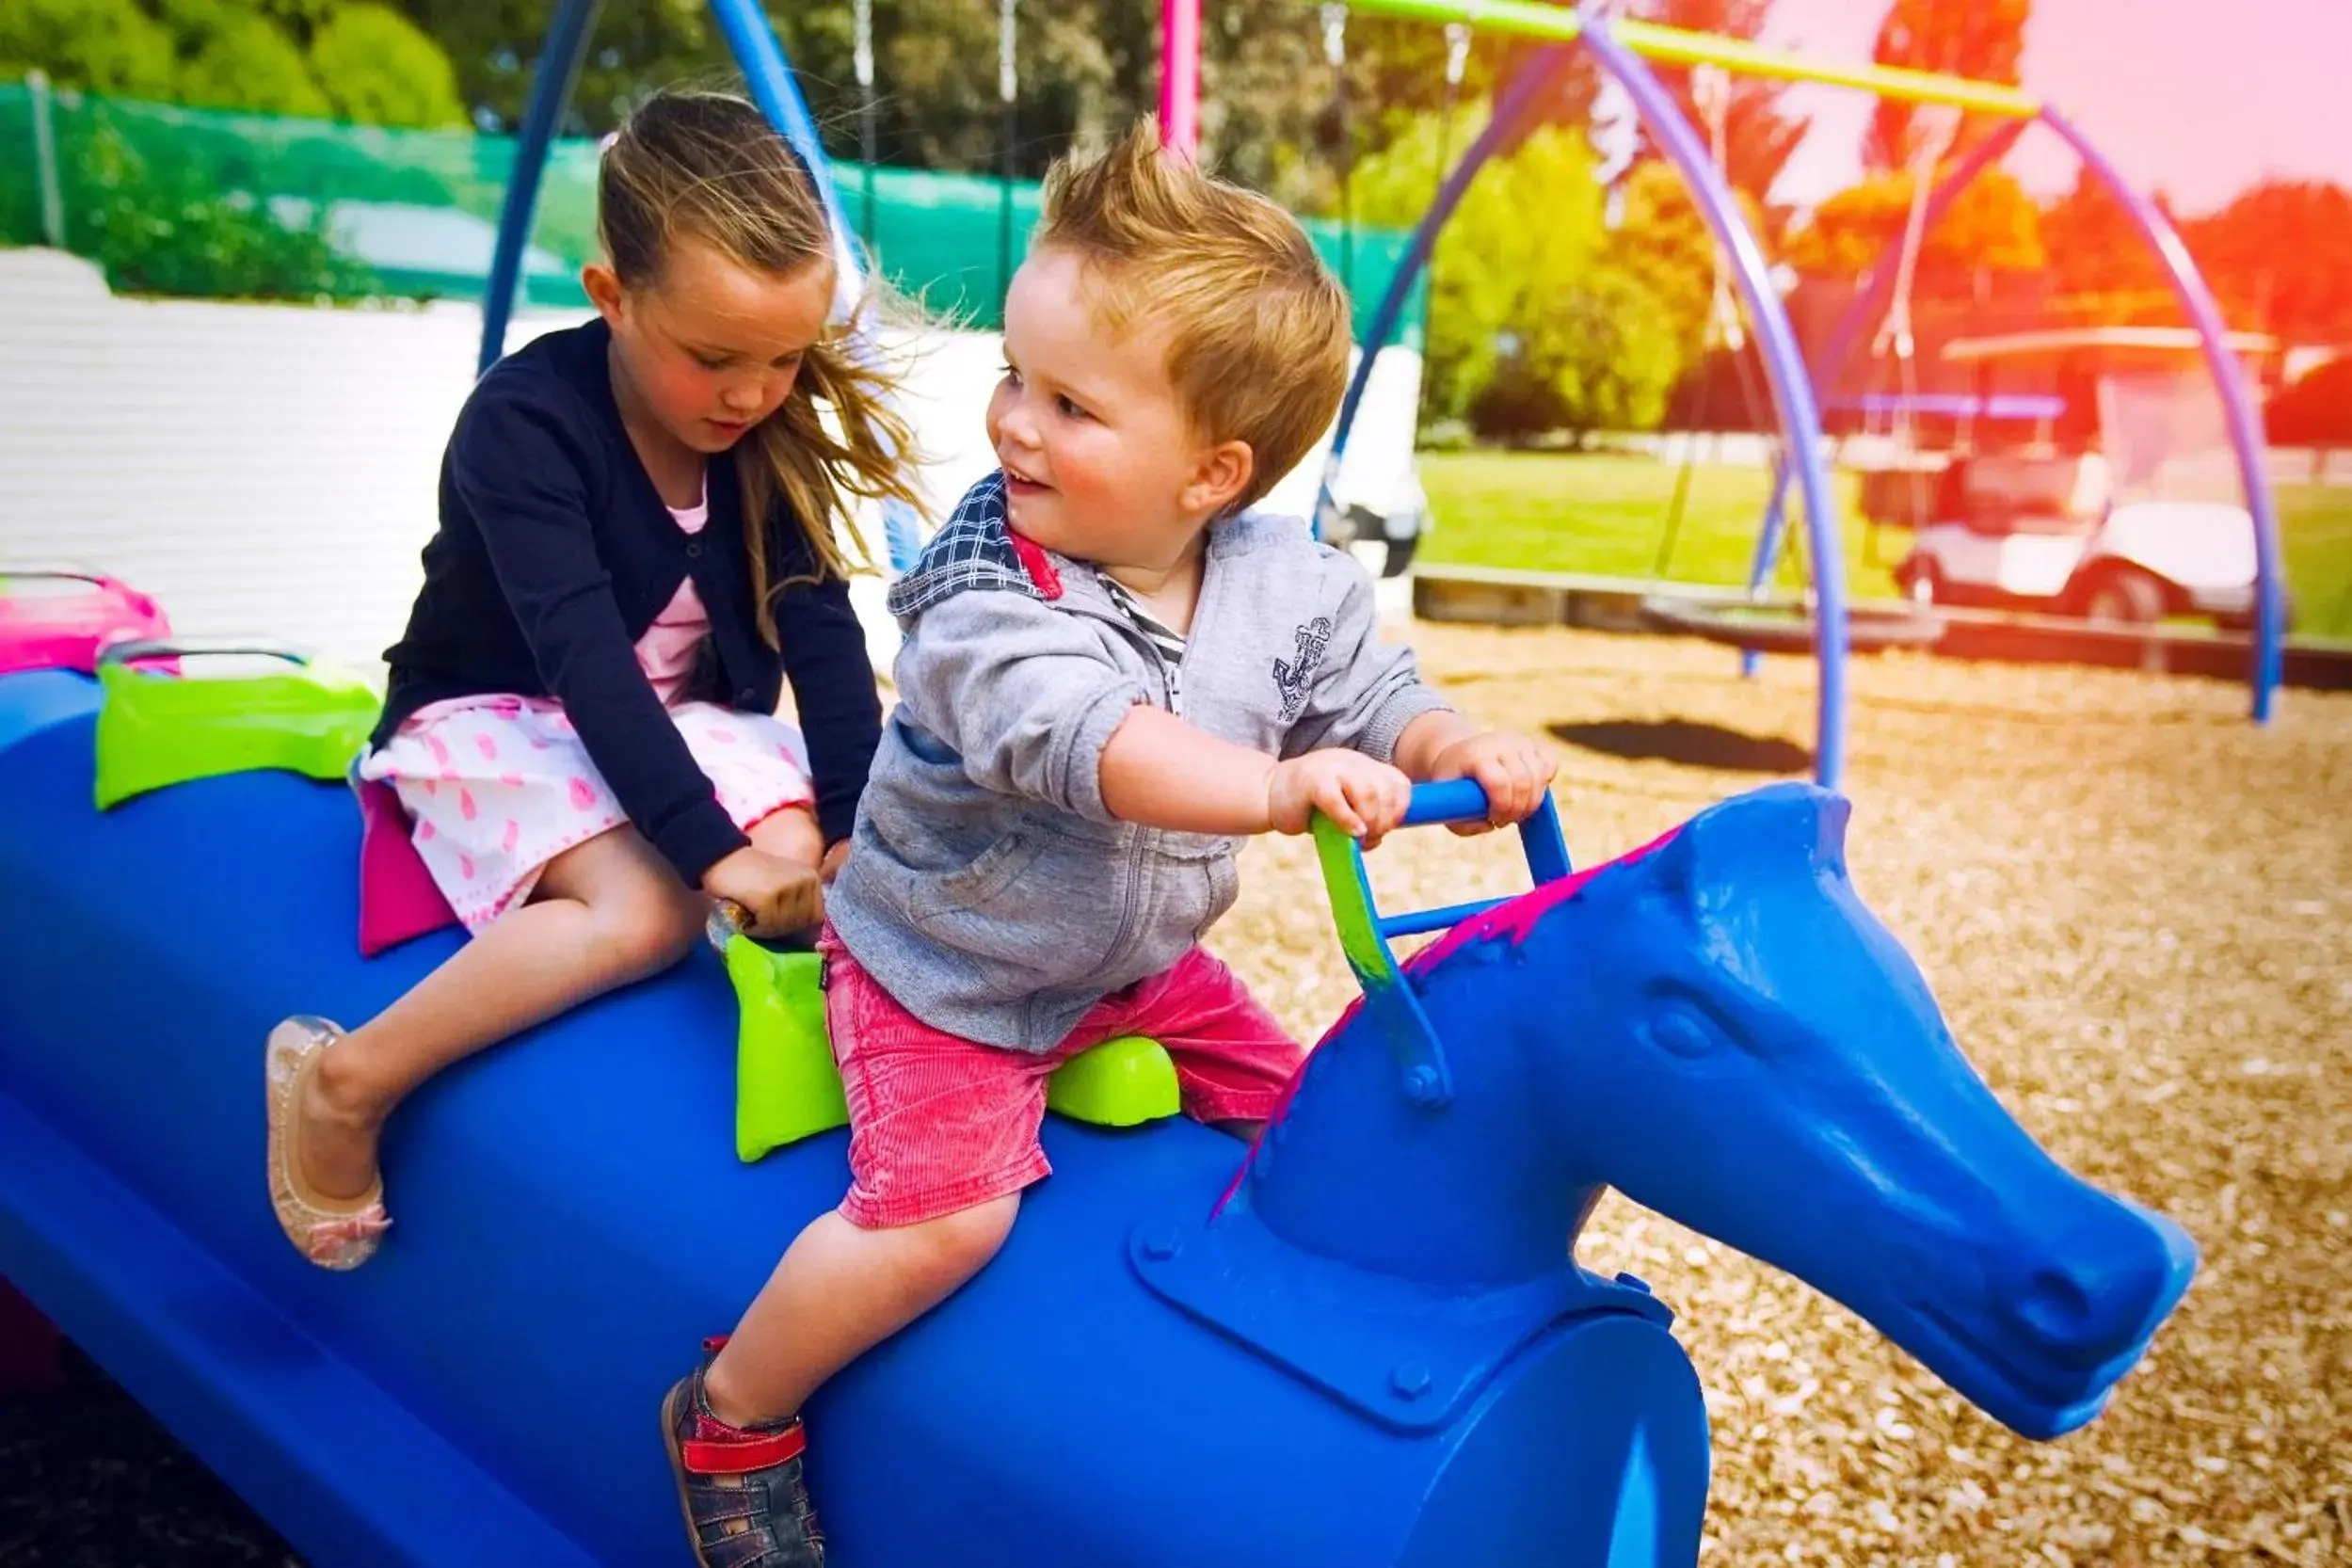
(745, 1502)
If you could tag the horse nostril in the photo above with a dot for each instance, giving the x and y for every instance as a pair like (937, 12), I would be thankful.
(2054, 1306)
(2098, 1291)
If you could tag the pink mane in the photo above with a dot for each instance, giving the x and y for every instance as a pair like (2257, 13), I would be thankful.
(1510, 921)
(1513, 918)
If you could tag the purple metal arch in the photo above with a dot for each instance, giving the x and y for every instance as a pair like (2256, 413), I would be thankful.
(2245, 422)
(1783, 363)
(552, 78)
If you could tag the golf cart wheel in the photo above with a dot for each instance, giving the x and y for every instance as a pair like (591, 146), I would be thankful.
(2124, 596)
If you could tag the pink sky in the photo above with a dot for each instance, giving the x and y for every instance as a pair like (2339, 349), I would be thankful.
(2197, 97)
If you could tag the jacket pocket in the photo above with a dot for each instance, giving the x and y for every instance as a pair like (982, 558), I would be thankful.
(1037, 909)
(974, 887)
(1225, 886)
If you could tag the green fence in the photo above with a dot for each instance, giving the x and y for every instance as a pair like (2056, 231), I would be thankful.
(189, 201)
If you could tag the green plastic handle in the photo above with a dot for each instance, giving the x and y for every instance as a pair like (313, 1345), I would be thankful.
(132, 650)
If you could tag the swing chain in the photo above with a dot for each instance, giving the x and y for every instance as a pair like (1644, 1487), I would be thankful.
(1457, 52)
(1939, 127)
(1710, 89)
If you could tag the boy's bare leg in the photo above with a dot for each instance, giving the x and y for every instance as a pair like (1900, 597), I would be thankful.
(839, 1292)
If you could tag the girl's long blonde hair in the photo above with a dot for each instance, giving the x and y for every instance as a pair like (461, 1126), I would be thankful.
(707, 166)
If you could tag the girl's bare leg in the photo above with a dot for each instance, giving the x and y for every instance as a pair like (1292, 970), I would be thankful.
(605, 913)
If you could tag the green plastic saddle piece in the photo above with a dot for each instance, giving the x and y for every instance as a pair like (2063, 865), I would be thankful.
(1121, 1082)
(787, 1088)
(157, 728)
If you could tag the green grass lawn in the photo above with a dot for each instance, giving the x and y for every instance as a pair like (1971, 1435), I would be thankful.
(1605, 513)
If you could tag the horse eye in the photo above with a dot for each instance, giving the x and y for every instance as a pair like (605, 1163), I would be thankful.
(1680, 1028)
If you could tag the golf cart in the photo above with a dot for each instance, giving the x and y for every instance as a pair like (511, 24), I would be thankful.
(2103, 486)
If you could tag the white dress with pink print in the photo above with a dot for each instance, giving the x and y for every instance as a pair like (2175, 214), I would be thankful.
(498, 786)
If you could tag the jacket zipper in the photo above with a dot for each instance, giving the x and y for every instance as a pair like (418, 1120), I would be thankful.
(1124, 937)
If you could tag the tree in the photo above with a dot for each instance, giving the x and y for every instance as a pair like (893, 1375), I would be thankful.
(1993, 226)
(2275, 258)
(1983, 40)
(1661, 239)
(1549, 324)
(2280, 259)
(2102, 270)
(1080, 68)
(350, 57)
(1492, 267)
(98, 46)
(492, 46)
(1598, 355)
(376, 68)
(2316, 410)
(242, 61)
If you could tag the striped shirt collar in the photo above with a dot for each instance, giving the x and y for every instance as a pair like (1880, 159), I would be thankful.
(1165, 640)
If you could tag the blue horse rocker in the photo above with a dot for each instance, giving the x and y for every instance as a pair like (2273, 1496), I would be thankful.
(1372, 1345)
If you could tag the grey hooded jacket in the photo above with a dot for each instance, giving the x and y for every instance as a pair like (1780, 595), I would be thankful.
(987, 887)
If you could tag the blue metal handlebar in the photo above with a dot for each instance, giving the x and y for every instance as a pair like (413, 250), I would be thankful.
(1454, 800)
(1364, 933)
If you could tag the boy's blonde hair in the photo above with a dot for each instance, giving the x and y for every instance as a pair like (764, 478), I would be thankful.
(1257, 327)
(707, 166)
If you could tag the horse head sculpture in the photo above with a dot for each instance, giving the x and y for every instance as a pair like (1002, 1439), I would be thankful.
(1717, 1026)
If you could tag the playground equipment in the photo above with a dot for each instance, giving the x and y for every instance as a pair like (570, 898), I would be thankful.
(1372, 1345)
(2214, 346)
(159, 724)
(1623, 48)
(1766, 624)
(62, 617)
(787, 1088)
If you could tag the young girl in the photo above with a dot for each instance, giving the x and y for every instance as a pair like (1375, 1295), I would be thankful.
(580, 718)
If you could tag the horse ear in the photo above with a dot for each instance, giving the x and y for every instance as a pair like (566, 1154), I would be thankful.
(1767, 825)
(1675, 867)
(1835, 811)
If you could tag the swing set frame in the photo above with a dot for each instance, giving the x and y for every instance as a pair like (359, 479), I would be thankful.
(1626, 49)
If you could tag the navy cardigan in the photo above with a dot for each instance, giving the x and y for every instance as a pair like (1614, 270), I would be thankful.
(554, 556)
